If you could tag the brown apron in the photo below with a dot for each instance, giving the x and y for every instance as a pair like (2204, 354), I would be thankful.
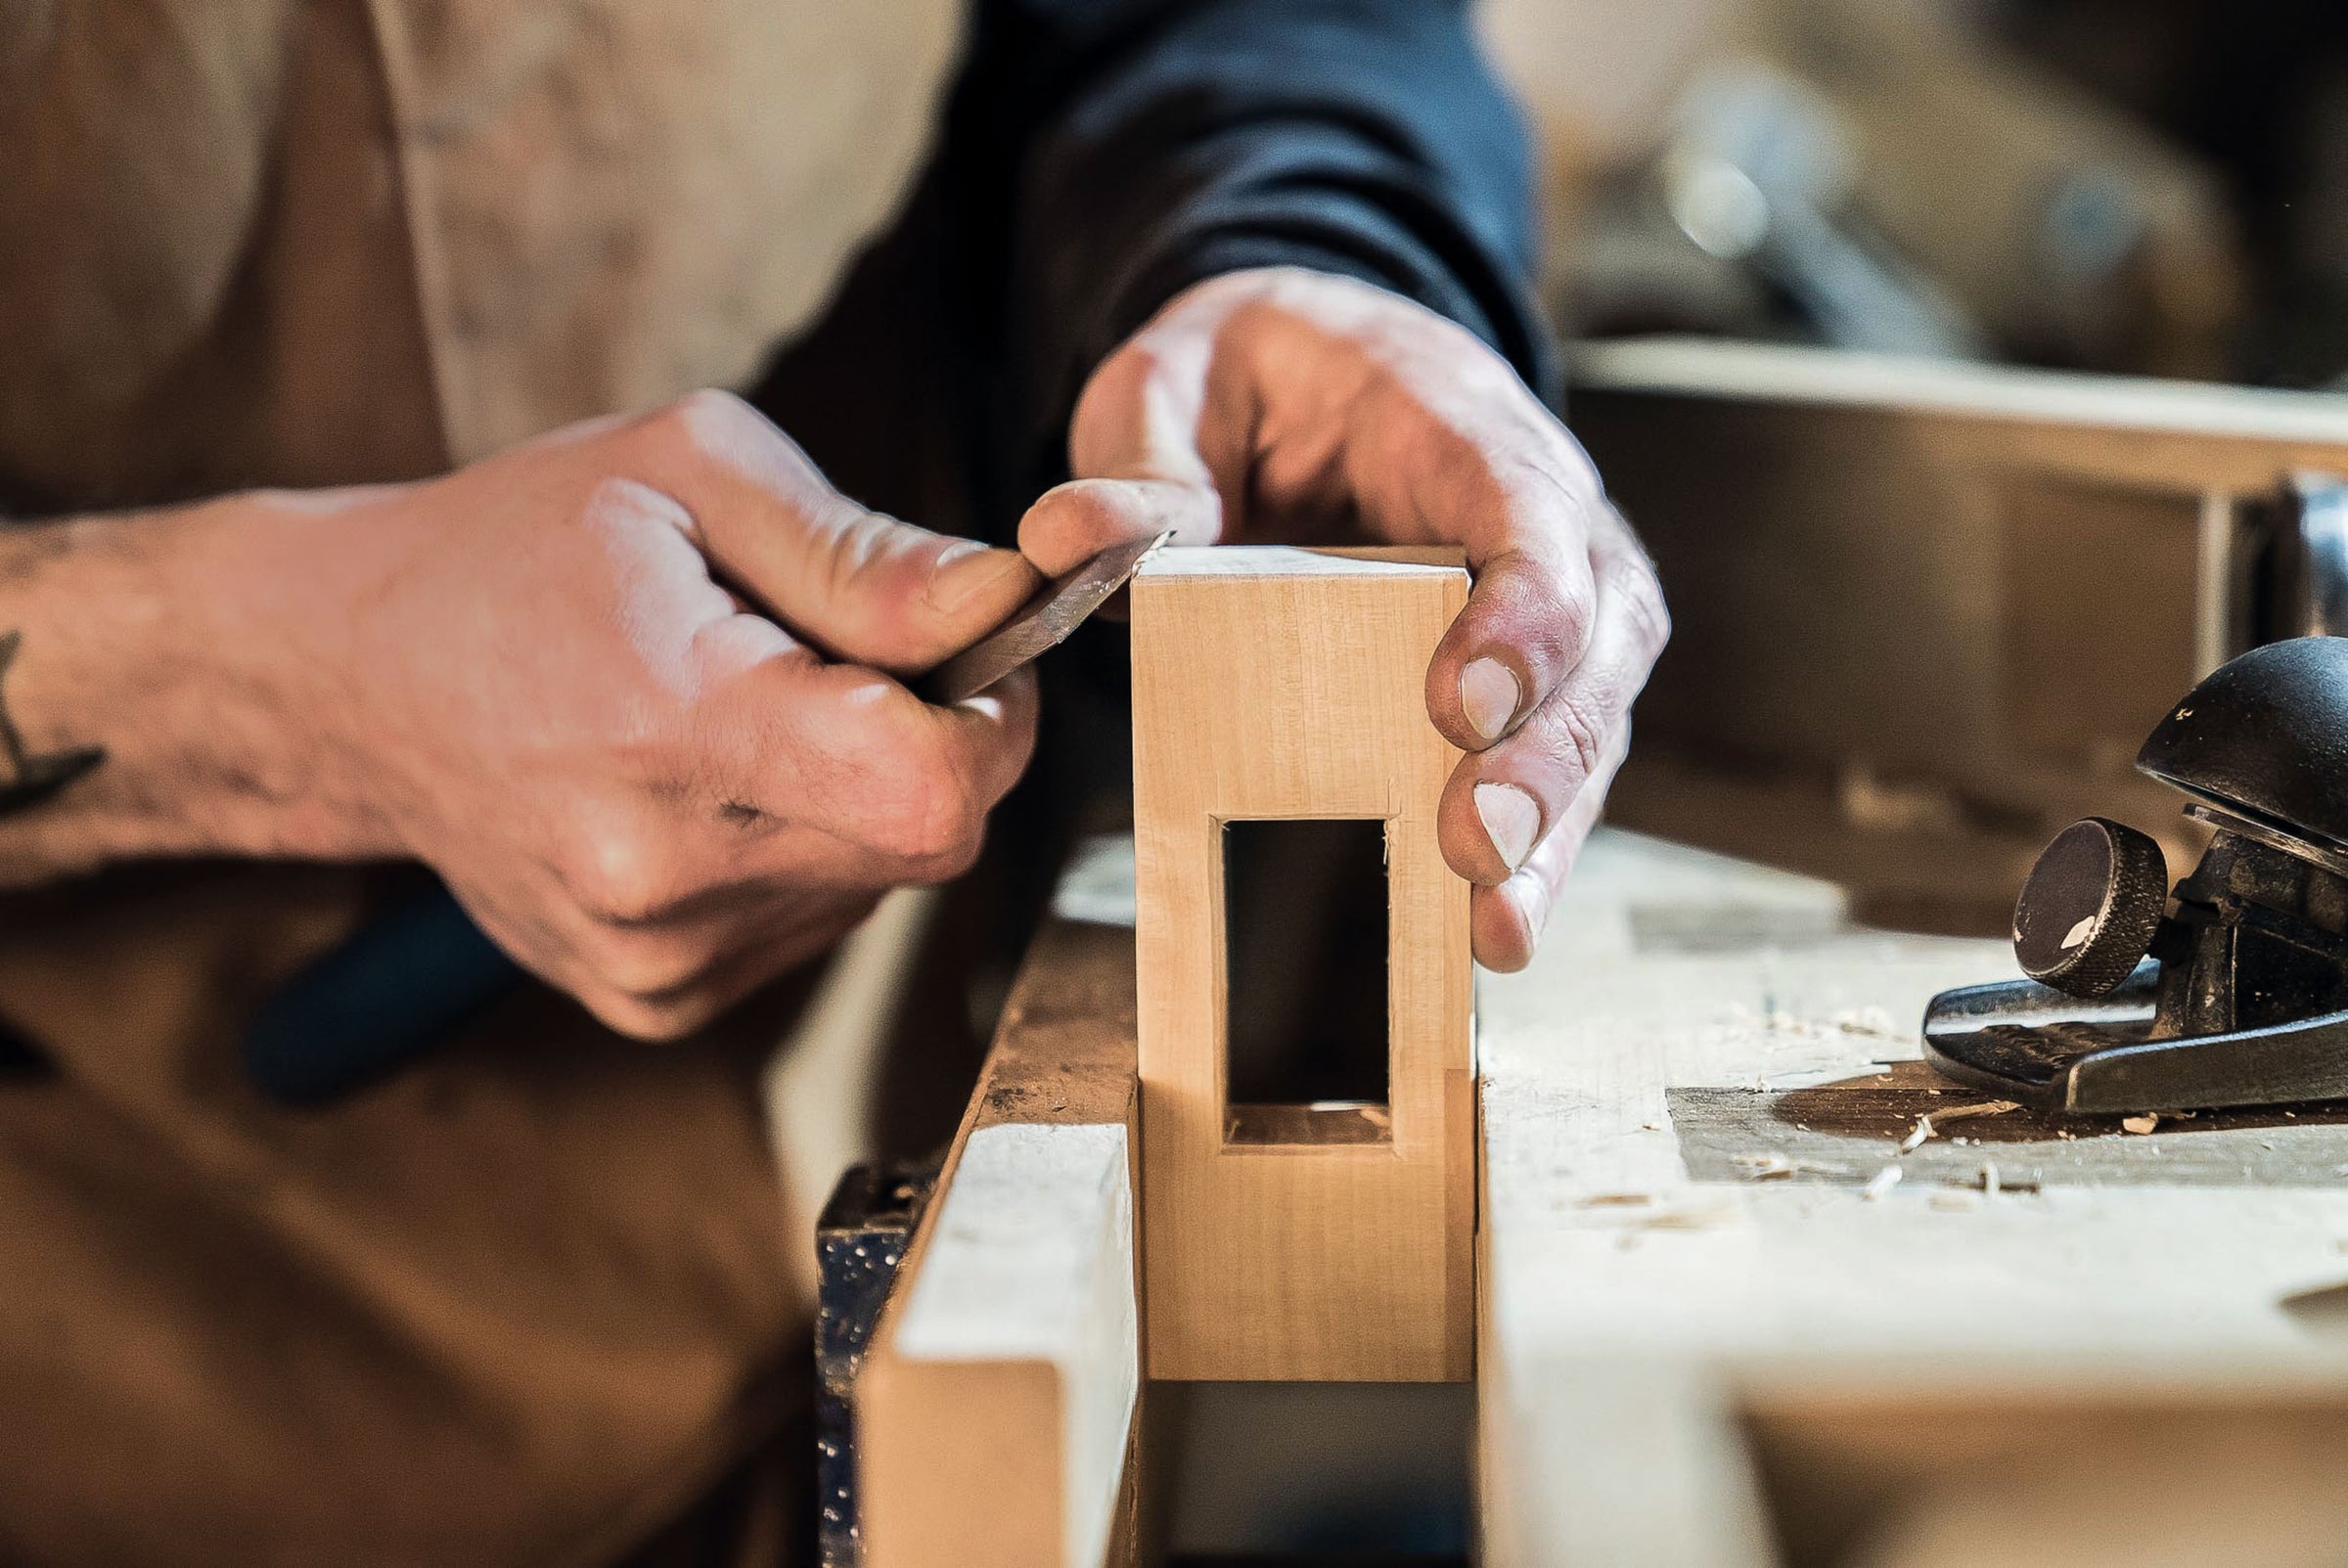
(529, 1300)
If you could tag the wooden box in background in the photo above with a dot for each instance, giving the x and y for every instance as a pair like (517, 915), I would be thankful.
(1926, 612)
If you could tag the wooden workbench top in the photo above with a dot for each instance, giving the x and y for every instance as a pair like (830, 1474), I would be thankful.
(1713, 1277)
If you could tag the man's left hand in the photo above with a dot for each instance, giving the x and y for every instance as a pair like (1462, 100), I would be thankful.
(1292, 405)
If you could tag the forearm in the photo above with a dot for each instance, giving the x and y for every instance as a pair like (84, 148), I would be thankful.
(157, 701)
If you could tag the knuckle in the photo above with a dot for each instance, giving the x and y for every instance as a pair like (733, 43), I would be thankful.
(1572, 617)
(711, 425)
(624, 878)
(618, 506)
(958, 859)
(1644, 603)
(655, 1021)
(847, 539)
(938, 824)
(647, 969)
(709, 412)
(1114, 383)
(1579, 738)
(1142, 362)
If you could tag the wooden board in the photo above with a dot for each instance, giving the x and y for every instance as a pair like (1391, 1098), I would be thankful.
(996, 1407)
(1932, 610)
(1704, 1342)
(1314, 1243)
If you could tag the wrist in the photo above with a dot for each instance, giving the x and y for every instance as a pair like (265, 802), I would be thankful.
(174, 641)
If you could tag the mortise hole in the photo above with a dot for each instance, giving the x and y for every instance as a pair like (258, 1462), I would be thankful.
(1306, 1030)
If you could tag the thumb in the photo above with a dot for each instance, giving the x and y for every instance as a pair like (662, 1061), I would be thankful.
(886, 595)
(859, 585)
(1072, 523)
(1140, 447)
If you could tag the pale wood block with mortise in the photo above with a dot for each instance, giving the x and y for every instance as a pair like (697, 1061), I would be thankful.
(1290, 683)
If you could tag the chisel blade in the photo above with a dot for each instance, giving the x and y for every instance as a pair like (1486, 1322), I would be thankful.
(1042, 624)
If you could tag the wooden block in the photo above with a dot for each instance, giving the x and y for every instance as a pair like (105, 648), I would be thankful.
(995, 1411)
(1300, 1242)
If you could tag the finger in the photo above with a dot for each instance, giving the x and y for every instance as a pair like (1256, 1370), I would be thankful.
(1527, 622)
(1441, 442)
(1530, 526)
(1502, 802)
(1072, 523)
(1150, 449)
(1507, 922)
(865, 588)
(894, 788)
(804, 924)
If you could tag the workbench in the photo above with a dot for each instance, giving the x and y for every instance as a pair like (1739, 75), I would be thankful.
(1737, 1302)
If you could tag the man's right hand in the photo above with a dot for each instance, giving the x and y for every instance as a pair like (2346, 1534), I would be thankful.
(631, 689)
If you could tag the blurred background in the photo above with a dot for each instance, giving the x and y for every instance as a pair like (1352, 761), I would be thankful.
(2152, 187)
(1902, 659)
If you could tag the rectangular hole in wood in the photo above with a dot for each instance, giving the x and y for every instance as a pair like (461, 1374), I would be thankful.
(1307, 1036)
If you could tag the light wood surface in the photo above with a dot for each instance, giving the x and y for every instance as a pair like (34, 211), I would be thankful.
(1271, 684)
(1942, 603)
(1704, 1342)
(995, 1411)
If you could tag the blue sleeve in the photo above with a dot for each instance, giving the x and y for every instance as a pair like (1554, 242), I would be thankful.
(1118, 150)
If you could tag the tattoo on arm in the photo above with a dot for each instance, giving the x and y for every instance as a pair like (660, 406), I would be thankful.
(27, 778)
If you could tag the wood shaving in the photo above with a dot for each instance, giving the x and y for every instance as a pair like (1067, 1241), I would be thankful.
(2139, 1124)
(1987, 1107)
(1873, 1021)
(1652, 1127)
(1915, 1138)
(1688, 1217)
(1769, 1167)
(1882, 1182)
(1617, 1200)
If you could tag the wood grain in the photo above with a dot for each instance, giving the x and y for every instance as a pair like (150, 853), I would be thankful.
(1715, 1355)
(1276, 682)
(995, 1409)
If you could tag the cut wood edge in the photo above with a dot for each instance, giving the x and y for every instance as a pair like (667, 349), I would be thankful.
(1789, 373)
(1652, 1467)
(995, 1412)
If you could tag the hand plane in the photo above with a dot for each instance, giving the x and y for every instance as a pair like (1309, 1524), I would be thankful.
(2238, 993)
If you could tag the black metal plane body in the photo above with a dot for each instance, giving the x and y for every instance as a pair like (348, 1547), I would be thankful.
(2240, 994)
(2005, 1038)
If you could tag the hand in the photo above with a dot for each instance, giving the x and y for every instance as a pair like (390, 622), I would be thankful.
(1289, 405)
(628, 689)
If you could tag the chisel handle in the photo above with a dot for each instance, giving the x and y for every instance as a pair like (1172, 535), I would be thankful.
(403, 984)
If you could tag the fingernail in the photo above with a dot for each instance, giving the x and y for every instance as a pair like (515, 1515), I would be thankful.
(1489, 693)
(965, 572)
(1511, 818)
